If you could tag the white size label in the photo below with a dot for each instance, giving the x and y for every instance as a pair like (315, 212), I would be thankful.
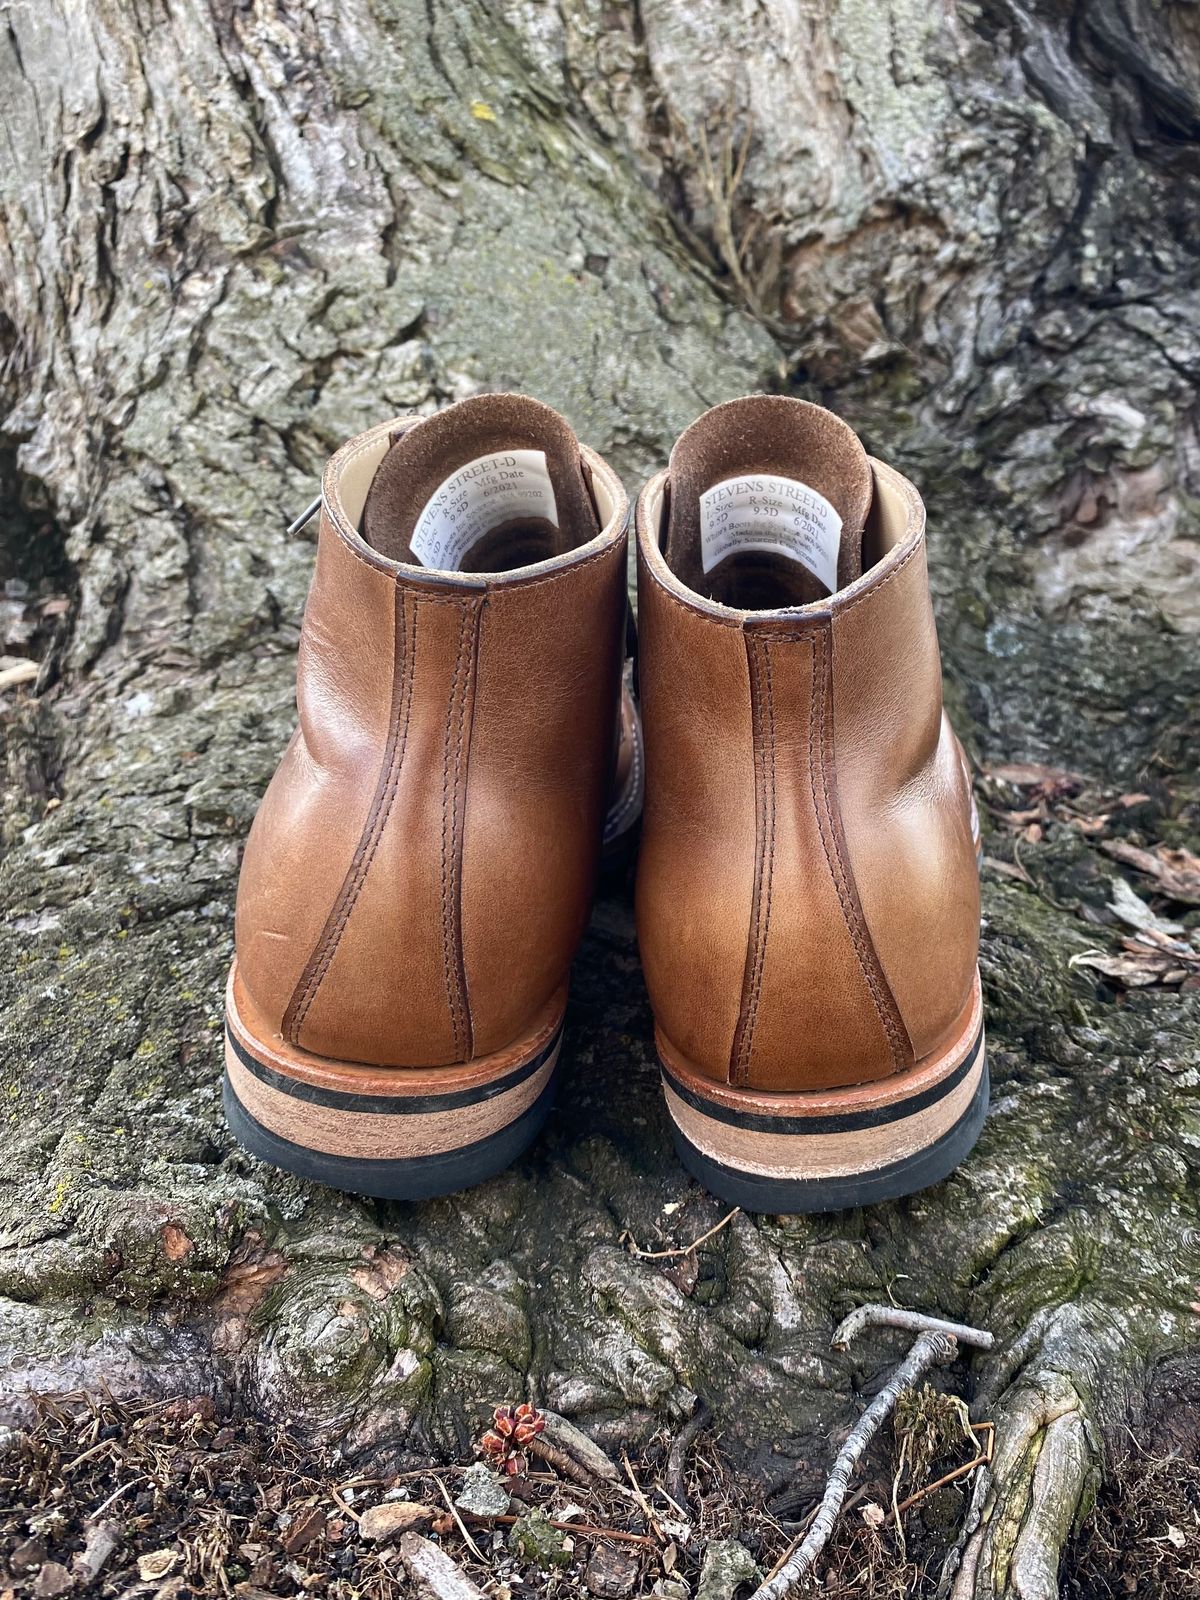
(512, 485)
(761, 512)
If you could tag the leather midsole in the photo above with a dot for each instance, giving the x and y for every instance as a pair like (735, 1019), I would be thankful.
(829, 1153)
(384, 1135)
(876, 1099)
(383, 1113)
(830, 1133)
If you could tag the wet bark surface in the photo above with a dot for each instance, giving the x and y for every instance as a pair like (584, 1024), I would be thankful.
(232, 235)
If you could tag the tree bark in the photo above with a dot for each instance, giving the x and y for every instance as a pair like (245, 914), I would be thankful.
(233, 233)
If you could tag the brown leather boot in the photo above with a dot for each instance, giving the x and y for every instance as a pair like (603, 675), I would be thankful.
(808, 893)
(420, 870)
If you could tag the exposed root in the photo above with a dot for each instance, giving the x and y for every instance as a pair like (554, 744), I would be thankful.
(1024, 1506)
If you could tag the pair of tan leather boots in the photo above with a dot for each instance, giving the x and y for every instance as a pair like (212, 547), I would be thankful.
(420, 872)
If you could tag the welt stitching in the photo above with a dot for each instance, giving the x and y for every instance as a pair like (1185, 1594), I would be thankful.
(836, 869)
(397, 740)
(451, 995)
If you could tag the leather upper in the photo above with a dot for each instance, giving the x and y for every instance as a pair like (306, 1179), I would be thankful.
(807, 894)
(419, 872)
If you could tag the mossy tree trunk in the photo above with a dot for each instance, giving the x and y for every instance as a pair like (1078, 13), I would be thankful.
(232, 235)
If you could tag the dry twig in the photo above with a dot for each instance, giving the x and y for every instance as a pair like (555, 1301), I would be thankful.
(936, 1344)
(880, 1316)
(585, 1530)
(563, 1463)
(983, 1459)
(683, 1249)
(462, 1527)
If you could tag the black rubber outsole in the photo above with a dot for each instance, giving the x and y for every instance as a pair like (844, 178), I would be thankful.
(409, 1178)
(781, 1196)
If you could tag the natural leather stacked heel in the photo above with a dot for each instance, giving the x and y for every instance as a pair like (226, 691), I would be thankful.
(807, 895)
(419, 873)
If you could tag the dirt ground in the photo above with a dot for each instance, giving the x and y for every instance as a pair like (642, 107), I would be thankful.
(175, 1500)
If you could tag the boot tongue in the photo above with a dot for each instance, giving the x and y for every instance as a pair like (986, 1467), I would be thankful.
(769, 499)
(489, 484)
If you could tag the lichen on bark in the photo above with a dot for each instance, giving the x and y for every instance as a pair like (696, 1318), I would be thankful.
(235, 237)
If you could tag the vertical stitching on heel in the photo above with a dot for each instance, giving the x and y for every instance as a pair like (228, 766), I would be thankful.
(403, 673)
(758, 657)
(453, 828)
(828, 822)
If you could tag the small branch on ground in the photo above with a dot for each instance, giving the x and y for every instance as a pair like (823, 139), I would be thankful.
(683, 1249)
(584, 1530)
(936, 1345)
(880, 1316)
(563, 1463)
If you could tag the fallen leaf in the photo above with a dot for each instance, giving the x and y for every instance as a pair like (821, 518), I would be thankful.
(308, 1526)
(28, 1556)
(52, 1580)
(1134, 911)
(1089, 826)
(432, 1570)
(1033, 775)
(156, 1564)
(1176, 872)
(684, 1273)
(1154, 939)
(183, 1409)
(393, 1517)
(1006, 869)
(612, 1573)
(1136, 971)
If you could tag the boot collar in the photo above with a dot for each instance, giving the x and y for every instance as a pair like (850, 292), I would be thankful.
(348, 476)
(895, 521)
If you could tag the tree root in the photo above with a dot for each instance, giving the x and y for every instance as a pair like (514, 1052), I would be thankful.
(1041, 1480)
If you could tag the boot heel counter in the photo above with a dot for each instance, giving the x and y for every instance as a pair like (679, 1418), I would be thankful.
(383, 982)
(283, 885)
(817, 1010)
